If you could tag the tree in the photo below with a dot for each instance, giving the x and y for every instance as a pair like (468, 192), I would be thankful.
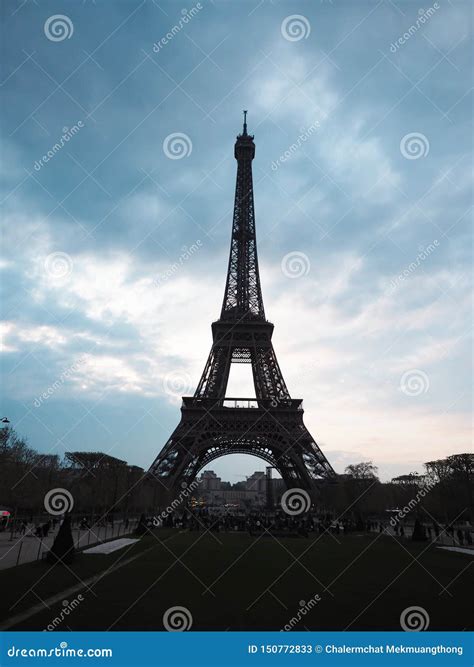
(25, 475)
(454, 477)
(438, 471)
(363, 470)
(102, 475)
(362, 477)
(412, 479)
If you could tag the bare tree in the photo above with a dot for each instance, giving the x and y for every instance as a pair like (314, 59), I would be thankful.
(363, 470)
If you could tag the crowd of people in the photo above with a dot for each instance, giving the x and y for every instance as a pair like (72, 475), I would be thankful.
(27, 528)
(42, 527)
(263, 521)
(277, 522)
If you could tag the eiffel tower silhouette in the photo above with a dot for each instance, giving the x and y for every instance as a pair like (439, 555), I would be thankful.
(269, 426)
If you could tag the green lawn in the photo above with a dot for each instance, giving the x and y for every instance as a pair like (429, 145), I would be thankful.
(237, 582)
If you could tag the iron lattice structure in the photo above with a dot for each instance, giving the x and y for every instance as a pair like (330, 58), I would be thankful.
(271, 425)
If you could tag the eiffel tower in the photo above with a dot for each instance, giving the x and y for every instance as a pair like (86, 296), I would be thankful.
(271, 425)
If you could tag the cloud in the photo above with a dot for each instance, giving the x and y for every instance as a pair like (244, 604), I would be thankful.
(93, 265)
(295, 101)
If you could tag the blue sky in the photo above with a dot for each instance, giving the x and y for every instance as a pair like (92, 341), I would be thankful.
(114, 253)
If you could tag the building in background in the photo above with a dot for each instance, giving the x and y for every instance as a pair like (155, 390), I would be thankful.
(248, 494)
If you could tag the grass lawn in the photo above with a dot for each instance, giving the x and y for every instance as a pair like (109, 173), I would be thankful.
(236, 581)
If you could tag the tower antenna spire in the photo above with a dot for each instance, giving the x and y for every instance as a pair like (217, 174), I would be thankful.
(245, 121)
